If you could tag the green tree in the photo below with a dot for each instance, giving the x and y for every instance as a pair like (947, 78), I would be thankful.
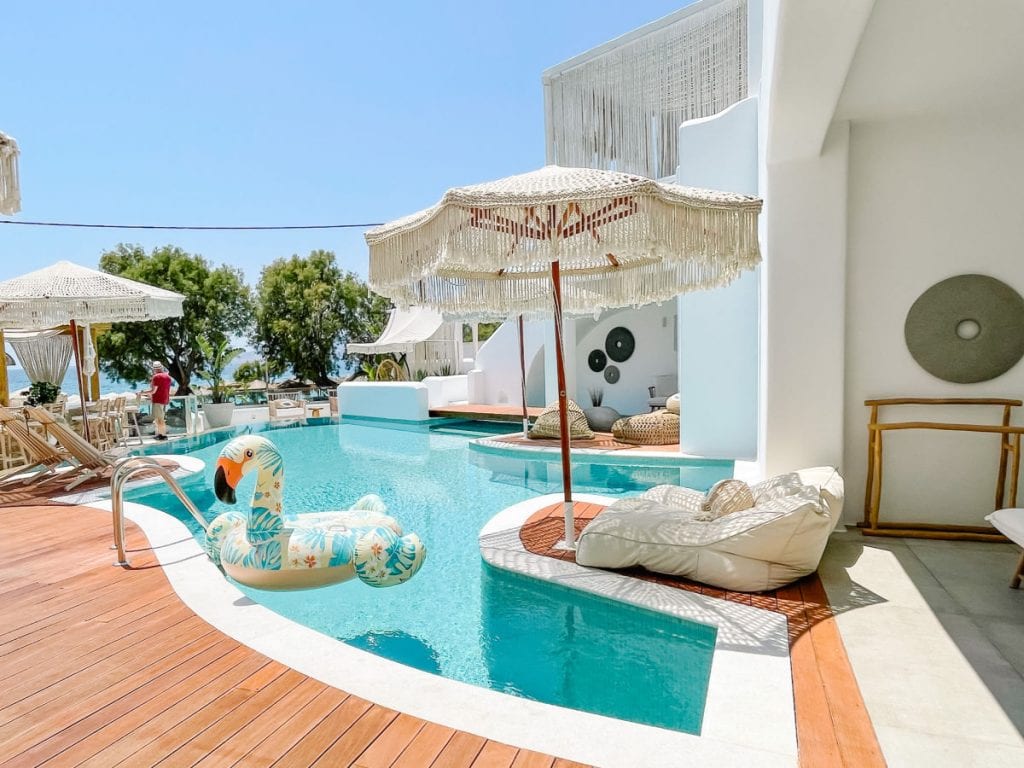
(217, 305)
(307, 307)
(251, 370)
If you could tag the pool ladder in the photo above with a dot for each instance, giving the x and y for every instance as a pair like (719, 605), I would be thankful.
(124, 470)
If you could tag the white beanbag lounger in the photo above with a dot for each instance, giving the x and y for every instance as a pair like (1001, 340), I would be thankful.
(778, 540)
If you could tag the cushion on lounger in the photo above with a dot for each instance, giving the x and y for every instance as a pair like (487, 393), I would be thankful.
(726, 497)
(547, 424)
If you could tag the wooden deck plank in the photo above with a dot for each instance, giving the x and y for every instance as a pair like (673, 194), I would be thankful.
(425, 746)
(354, 741)
(386, 748)
(64, 716)
(460, 751)
(293, 730)
(261, 725)
(322, 735)
(127, 734)
(496, 755)
(532, 760)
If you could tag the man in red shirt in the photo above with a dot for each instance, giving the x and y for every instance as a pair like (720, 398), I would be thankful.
(160, 393)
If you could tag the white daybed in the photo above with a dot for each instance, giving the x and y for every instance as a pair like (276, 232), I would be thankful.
(778, 540)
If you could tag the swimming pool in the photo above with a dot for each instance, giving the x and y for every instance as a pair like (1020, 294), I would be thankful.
(459, 617)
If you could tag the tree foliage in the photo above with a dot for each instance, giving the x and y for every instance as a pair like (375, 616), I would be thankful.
(253, 370)
(307, 307)
(219, 355)
(217, 305)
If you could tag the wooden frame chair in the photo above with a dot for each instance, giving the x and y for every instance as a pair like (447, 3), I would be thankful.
(39, 454)
(92, 462)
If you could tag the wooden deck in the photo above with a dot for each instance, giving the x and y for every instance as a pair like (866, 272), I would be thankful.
(513, 413)
(832, 724)
(103, 666)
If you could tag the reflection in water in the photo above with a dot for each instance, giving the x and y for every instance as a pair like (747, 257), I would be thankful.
(577, 650)
(398, 646)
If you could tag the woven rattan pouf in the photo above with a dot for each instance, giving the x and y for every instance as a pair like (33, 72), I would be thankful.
(658, 428)
(546, 425)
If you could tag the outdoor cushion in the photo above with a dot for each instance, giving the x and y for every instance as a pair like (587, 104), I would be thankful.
(658, 428)
(726, 497)
(547, 424)
(773, 543)
(672, 404)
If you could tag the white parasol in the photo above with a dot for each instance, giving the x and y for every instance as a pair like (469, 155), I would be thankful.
(573, 238)
(69, 294)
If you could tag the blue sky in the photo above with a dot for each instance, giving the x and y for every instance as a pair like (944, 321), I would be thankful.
(256, 113)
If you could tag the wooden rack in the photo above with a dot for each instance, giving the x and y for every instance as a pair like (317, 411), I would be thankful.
(1009, 458)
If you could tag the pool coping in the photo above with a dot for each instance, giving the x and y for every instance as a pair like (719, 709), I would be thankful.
(579, 736)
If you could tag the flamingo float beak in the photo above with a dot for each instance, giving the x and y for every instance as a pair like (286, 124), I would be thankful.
(226, 478)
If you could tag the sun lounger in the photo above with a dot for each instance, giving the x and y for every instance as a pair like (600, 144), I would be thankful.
(42, 459)
(1010, 523)
(92, 462)
(774, 542)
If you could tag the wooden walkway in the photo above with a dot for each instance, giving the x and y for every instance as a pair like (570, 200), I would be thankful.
(101, 666)
(832, 724)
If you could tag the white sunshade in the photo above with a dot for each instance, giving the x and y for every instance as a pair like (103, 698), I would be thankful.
(64, 291)
(10, 194)
(486, 249)
(405, 328)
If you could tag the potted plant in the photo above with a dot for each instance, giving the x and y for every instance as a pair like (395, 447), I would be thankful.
(218, 357)
(600, 417)
(42, 393)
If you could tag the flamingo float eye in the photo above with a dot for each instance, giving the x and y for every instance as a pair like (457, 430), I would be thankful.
(248, 453)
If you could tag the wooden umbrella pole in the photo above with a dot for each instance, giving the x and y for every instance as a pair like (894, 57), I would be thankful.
(563, 409)
(77, 349)
(522, 375)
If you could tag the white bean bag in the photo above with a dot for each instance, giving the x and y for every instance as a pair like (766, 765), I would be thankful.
(775, 542)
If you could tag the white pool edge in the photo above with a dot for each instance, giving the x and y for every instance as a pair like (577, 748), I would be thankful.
(742, 686)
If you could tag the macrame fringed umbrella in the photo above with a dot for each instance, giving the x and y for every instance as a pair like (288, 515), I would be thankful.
(72, 295)
(572, 239)
(10, 193)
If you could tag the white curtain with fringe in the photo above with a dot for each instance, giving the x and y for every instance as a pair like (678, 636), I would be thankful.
(622, 109)
(45, 355)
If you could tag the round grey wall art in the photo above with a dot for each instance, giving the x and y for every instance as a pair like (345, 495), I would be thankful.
(966, 329)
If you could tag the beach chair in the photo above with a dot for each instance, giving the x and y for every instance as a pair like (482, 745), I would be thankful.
(40, 458)
(91, 461)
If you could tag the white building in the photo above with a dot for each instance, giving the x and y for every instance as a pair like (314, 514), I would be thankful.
(884, 138)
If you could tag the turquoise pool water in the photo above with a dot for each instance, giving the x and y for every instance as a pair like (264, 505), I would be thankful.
(460, 617)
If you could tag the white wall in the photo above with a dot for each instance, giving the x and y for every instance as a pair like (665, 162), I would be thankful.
(399, 400)
(718, 330)
(803, 280)
(928, 199)
(497, 378)
(653, 329)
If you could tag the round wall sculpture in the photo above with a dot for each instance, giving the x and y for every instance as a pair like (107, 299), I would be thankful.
(966, 329)
(619, 344)
(597, 360)
(611, 374)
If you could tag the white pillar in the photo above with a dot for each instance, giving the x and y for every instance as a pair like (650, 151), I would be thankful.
(718, 329)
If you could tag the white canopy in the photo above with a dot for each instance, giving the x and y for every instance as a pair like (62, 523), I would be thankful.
(405, 328)
(10, 195)
(64, 291)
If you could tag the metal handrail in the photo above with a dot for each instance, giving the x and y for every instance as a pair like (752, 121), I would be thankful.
(124, 470)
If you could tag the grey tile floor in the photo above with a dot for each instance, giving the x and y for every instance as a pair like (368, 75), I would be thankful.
(936, 639)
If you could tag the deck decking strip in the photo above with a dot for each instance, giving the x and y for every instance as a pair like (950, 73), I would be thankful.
(133, 677)
(832, 724)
